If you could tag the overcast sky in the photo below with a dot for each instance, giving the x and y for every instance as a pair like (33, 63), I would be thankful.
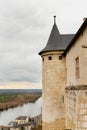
(25, 26)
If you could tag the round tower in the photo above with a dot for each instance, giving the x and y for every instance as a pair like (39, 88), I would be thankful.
(53, 81)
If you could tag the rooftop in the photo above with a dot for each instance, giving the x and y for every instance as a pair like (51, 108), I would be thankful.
(21, 118)
(72, 42)
(56, 40)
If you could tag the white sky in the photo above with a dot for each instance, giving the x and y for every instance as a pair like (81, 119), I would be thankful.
(25, 26)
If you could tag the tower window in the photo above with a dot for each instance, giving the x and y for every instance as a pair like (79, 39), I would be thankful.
(60, 57)
(49, 58)
(43, 59)
(63, 99)
(77, 67)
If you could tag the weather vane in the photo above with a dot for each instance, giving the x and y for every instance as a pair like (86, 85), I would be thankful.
(54, 18)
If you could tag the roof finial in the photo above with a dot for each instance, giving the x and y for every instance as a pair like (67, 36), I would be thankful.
(54, 19)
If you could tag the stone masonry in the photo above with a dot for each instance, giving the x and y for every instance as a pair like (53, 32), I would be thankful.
(64, 80)
(53, 90)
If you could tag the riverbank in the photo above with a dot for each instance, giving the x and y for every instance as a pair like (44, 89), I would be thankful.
(20, 100)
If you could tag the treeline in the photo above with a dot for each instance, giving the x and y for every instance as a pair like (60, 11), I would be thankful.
(5, 97)
(10, 100)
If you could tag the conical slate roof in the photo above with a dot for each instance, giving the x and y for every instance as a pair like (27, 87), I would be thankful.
(57, 41)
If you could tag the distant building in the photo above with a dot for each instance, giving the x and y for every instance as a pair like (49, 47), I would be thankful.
(64, 80)
(28, 127)
(22, 120)
(4, 128)
(17, 127)
(12, 123)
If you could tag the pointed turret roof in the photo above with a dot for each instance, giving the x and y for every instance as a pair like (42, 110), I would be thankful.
(56, 41)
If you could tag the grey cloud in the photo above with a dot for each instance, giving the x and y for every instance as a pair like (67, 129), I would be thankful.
(20, 70)
(21, 34)
(25, 26)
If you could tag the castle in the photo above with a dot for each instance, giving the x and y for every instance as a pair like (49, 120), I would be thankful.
(64, 81)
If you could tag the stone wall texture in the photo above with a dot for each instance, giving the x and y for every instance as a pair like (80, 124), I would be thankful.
(54, 80)
(54, 125)
(77, 50)
(56, 75)
(76, 110)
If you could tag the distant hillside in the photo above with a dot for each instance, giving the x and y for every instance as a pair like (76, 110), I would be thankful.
(19, 90)
(10, 98)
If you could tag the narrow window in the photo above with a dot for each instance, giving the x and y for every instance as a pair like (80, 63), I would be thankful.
(77, 67)
(60, 57)
(49, 58)
(43, 59)
(63, 99)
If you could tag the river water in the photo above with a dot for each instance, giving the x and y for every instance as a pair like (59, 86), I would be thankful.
(29, 109)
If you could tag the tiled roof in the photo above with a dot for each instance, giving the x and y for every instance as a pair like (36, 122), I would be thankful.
(72, 42)
(57, 41)
(21, 118)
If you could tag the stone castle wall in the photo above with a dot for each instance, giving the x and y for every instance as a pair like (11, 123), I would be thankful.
(71, 109)
(76, 109)
(54, 125)
(77, 50)
(58, 114)
(76, 97)
(54, 80)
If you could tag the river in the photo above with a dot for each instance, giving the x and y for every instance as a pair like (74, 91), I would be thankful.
(29, 109)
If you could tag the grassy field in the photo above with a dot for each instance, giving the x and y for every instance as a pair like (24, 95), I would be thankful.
(12, 96)
(8, 97)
